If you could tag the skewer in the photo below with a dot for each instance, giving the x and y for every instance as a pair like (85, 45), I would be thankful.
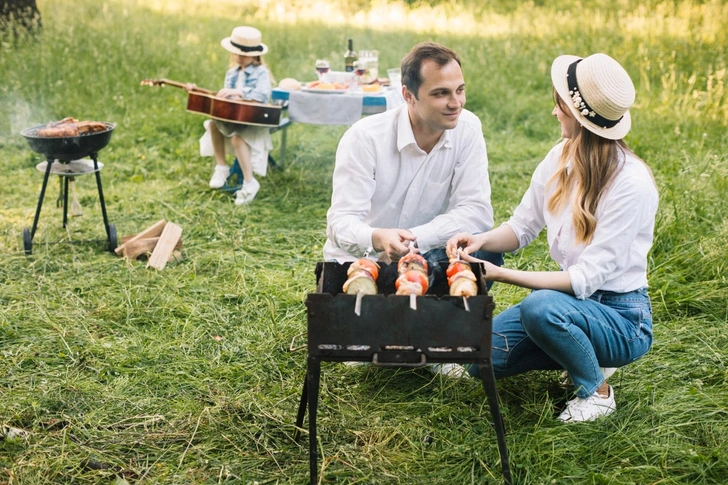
(357, 305)
(413, 301)
(465, 303)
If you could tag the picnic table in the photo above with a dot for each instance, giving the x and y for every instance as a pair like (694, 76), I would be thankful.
(335, 107)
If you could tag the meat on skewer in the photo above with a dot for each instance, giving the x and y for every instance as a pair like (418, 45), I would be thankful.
(412, 278)
(461, 279)
(412, 282)
(363, 274)
(414, 261)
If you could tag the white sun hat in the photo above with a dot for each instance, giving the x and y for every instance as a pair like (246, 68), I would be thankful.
(598, 92)
(245, 41)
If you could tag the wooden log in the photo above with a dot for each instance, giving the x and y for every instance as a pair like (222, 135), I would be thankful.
(165, 246)
(134, 249)
(142, 248)
(152, 231)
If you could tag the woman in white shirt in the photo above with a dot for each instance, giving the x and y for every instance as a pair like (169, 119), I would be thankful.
(598, 202)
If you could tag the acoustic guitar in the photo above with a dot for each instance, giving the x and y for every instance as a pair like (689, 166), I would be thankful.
(204, 101)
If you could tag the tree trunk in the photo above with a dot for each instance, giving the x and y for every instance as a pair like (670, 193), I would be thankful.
(18, 17)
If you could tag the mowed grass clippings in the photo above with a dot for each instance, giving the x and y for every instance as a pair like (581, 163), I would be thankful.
(186, 375)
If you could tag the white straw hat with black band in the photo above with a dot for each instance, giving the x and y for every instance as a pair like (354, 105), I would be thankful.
(245, 41)
(598, 92)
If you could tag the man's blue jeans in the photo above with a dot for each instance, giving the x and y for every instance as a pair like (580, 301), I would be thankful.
(439, 255)
(551, 330)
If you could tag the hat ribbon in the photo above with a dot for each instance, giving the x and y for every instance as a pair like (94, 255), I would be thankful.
(580, 103)
(245, 48)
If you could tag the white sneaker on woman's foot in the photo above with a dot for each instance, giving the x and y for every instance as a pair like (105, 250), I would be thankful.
(219, 176)
(588, 409)
(247, 193)
(607, 372)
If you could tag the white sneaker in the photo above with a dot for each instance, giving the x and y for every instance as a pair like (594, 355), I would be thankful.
(219, 176)
(247, 193)
(588, 409)
(449, 370)
(607, 372)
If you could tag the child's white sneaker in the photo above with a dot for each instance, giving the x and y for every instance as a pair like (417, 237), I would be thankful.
(247, 193)
(219, 176)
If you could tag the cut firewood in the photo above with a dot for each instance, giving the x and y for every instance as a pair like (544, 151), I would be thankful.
(143, 247)
(134, 249)
(152, 231)
(165, 246)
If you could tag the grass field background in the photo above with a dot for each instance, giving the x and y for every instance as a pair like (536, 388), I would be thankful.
(186, 375)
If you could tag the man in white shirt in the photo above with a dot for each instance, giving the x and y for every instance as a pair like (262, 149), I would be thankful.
(417, 174)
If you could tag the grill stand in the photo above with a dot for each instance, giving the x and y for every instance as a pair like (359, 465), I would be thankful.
(440, 331)
(29, 234)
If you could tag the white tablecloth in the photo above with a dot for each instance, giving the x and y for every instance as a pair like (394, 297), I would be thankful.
(334, 108)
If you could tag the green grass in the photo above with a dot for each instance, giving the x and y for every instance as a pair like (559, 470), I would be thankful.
(186, 375)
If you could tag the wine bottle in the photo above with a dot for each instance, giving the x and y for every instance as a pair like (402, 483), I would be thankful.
(350, 57)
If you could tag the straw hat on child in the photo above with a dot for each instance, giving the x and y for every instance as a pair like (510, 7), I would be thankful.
(245, 41)
(598, 92)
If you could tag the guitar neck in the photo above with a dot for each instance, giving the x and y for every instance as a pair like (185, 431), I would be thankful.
(182, 85)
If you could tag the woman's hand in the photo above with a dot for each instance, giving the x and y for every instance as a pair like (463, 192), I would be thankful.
(491, 271)
(463, 243)
(189, 87)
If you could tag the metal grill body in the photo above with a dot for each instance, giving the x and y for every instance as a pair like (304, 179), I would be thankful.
(64, 151)
(389, 332)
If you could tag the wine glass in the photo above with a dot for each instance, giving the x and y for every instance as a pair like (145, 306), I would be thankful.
(360, 69)
(322, 67)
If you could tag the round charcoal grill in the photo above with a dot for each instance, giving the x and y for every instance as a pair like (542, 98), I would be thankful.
(68, 152)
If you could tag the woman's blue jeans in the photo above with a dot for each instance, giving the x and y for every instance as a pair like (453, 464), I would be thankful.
(552, 330)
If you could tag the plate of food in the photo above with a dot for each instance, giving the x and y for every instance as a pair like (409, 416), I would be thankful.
(325, 87)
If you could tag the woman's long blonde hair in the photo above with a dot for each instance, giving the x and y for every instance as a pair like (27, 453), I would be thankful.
(595, 162)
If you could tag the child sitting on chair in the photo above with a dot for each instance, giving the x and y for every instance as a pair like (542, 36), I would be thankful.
(248, 80)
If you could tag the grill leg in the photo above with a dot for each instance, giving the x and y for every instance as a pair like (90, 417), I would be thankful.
(313, 375)
(64, 189)
(101, 197)
(40, 199)
(301, 409)
(486, 374)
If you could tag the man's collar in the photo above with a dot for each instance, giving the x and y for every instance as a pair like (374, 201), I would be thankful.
(405, 135)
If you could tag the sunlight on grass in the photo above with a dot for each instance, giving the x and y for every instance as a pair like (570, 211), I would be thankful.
(684, 19)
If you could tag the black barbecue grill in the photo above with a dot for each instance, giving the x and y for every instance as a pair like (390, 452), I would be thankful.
(388, 331)
(64, 157)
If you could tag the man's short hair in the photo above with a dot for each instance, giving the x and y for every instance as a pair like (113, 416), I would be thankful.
(412, 63)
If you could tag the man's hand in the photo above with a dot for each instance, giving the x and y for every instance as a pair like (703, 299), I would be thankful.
(393, 242)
